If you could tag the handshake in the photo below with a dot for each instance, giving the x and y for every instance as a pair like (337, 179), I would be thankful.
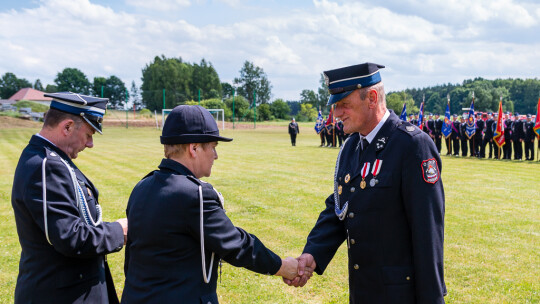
(296, 272)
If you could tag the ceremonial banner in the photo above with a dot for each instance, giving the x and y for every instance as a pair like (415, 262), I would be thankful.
(330, 119)
(319, 124)
(421, 116)
(470, 129)
(447, 126)
(498, 137)
(403, 115)
(536, 127)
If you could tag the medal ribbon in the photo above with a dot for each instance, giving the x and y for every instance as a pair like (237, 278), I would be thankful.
(365, 170)
(376, 167)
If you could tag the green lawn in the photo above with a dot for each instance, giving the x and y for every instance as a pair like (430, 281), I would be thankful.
(275, 191)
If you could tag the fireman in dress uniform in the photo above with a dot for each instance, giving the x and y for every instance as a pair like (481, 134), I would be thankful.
(456, 134)
(438, 132)
(529, 138)
(59, 220)
(507, 148)
(179, 231)
(388, 200)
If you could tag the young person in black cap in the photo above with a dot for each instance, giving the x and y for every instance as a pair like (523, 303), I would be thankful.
(59, 220)
(179, 231)
(388, 200)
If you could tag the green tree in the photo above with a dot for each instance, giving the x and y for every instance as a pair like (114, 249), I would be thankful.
(280, 109)
(72, 80)
(116, 91)
(38, 85)
(10, 84)
(395, 102)
(241, 107)
(226, 90)
(51, 88)
(97, 85)
(135, 95)
(309, 96)
(307, 112)
(264, 112)
(253, 79)
(323, 94)
(206, 79)
(171, 74)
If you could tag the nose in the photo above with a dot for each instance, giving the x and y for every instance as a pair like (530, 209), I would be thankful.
(90, 143)
(338, 110)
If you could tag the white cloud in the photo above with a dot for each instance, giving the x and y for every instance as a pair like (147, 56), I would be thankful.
(444, 42)
(159, 5)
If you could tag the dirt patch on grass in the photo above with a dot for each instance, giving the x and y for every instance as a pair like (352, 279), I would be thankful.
(12, 122)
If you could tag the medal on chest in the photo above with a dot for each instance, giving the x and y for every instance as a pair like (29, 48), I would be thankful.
(375, 172)
(364, 172)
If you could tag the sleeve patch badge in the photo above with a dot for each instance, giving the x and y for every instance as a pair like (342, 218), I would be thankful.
(430, 171)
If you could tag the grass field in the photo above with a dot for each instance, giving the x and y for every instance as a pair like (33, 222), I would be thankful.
(275, 191)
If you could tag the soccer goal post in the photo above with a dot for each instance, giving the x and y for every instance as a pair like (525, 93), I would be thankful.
(218, 114)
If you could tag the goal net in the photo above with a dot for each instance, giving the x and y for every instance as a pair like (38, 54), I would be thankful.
(218, 114)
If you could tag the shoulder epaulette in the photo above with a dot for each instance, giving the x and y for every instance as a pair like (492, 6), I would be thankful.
(50, 154)
(409, 128)
(194, 179)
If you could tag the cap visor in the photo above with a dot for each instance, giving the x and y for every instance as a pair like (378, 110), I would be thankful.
(94, 124)
(191, 139)
(337, 97)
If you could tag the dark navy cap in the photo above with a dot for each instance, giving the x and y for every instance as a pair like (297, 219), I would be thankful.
(341, 82)
(529, 116)
(190, 124)
(490, 113)
(516, 114)
(90, 108)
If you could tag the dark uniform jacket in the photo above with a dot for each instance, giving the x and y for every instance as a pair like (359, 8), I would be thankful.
(507, 129)
(293, 128)
(480, 123)
(71, 268)
(163, 253)
(489, 128)
(456, 130)
(395, 229)
(517, 130)
(438, 127)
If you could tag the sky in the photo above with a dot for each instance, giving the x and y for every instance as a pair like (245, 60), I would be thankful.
(421, 43)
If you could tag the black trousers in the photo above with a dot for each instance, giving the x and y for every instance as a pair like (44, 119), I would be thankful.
(321, 134)
(455, 143)
(495, 149)
(478, 145)
(464, 147)
(448, 142)
(293, 138)
(438, 142)
(507, 149)
(487, 142)
(529, 149)
(472, 146)
(518, 149)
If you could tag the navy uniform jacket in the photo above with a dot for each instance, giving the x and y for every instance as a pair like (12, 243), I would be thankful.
(507, 129)
(293, 128)
(163, 252)
(395, 229)
(517, 130)
(529, 130)
(489, 128)
(438, 127)
(72, 269)
(480, 123)
(456, 130)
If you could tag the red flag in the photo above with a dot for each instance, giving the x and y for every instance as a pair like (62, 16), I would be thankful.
(536, 127)
(330, 119)
(499, 132)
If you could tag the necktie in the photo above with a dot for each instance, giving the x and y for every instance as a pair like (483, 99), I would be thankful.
(365, 143)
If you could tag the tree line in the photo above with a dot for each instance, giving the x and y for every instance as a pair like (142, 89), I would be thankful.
(167, 82)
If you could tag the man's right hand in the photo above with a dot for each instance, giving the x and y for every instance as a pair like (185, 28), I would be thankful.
(306, 266)
(124, 223)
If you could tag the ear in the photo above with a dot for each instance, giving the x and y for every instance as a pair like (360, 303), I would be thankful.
(193, 150)
(67, 126)
(373, 96)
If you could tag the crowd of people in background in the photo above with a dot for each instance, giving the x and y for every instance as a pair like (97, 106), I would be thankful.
(518, 133)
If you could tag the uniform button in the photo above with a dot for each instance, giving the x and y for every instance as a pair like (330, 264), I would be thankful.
(351, 215)
(408, 278)
(352, 189)
(80, 276)
(209, 302)
(356, 266)
(353, 241)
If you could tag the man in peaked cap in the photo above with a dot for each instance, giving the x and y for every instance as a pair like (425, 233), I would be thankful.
(179, 231)
(58, 217)
(388, 200)
(528, 127)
